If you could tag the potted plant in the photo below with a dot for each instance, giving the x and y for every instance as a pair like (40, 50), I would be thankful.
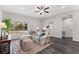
(8, 28)
(8, 23)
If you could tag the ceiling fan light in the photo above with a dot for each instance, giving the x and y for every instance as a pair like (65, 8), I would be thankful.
(42, 11)
(63, 7)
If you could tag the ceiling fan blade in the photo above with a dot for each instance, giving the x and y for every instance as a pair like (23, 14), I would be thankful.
(36, 11)
(46, 11)
(38, 7)
(46, 8)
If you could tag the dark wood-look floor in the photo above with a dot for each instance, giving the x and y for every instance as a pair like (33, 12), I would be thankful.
(61, 46)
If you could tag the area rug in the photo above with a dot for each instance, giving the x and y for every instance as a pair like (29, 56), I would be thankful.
(16, 49)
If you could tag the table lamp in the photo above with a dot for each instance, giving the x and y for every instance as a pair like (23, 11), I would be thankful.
(2, 25)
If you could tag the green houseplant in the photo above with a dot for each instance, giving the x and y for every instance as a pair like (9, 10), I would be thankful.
(8, 23)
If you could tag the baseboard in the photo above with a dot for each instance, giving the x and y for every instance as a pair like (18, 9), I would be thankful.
(75, 41)
(56, 37)
(63, 38)
(67, 37)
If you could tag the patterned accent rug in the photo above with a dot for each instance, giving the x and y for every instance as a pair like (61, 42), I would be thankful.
(16, 49)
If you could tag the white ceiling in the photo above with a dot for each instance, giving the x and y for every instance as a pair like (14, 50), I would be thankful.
(28, 10)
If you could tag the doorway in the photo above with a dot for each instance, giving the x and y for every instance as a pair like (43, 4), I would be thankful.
(67, 32)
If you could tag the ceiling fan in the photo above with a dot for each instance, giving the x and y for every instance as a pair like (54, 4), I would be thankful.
(42, 9)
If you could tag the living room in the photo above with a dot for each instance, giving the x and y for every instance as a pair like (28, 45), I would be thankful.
(26, 20)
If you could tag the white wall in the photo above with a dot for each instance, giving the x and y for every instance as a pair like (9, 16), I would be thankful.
(57, 26)
(0, 18)
(76, 26)
(0, 14)
(31, 22)
(57, 31)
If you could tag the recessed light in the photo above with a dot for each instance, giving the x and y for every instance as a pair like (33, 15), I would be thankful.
(63, 7)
